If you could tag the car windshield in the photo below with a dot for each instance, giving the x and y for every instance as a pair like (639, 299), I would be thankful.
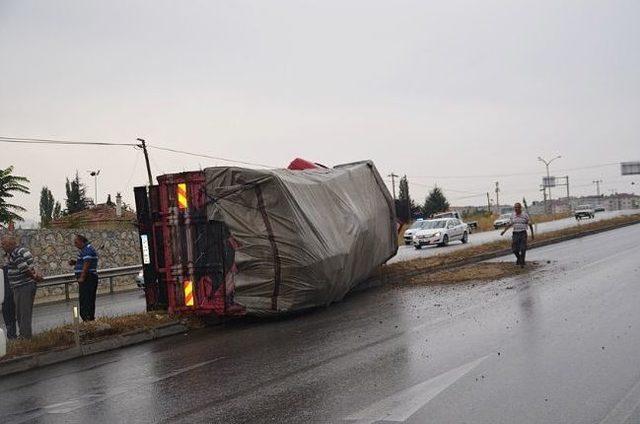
(434, 224)
(417, 224)
(505, 216)
(584, 207)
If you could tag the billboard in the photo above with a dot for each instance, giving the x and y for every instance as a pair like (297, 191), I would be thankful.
(548, 182)
(630, 168)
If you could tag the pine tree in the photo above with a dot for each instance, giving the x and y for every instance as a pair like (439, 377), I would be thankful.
(57, 211)
(76, 195)
(109, 201)
(47, 204)
(404, 205)
(436, 202)
(10, 184)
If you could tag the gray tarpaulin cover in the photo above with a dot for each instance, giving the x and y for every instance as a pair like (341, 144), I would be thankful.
(306, 237)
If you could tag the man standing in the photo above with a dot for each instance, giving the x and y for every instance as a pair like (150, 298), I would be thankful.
(519, 221)
(86, 270)
(22, 280)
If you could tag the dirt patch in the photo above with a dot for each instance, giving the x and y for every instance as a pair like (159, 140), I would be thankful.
(61, 337)
(484, 271)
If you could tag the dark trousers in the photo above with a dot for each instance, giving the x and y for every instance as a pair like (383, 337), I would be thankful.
(87, 297)
(9, 309)
(519, 246)
(23, 297)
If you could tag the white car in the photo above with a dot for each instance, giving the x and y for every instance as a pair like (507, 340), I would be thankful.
(408, 235)
(502, 221)
(441, 232)
(585, 211)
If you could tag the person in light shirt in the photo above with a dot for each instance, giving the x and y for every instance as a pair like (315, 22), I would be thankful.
(519, 222)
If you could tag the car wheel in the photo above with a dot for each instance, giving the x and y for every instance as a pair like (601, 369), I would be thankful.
(465, 238)
(445, 240)
(407, 243)
(418, 247)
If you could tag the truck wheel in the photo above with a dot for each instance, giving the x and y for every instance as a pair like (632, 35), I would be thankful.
(465, 238)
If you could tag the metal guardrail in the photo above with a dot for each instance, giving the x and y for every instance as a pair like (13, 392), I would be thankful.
(103, 274)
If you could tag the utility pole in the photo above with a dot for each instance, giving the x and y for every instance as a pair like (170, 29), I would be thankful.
(488, 203)
(393, 184)
(597, 183)
(547, 163)
(497, 197)
(568, 196)
(143, 146)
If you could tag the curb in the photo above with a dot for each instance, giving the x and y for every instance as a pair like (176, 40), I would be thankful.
(37, 360)
(382, 279)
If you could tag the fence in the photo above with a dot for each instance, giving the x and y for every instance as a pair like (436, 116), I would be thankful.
(107, 273)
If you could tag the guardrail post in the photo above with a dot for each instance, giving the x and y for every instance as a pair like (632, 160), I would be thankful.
(111, 285)
(66, 291)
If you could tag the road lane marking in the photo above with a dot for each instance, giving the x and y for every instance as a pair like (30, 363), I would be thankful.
(621, 413)
(400, 406)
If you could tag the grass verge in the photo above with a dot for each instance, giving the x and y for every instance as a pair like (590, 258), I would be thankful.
(62, 337)
(484, 271)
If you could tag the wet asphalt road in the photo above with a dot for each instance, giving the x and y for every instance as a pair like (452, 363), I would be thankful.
(52, 315)
(559, 345)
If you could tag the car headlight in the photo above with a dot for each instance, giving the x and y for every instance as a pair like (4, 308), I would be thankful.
(438, 234)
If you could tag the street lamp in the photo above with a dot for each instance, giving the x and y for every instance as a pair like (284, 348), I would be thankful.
(547, 163)
(95, 174)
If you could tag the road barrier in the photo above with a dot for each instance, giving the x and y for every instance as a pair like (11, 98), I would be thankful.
(103, 274)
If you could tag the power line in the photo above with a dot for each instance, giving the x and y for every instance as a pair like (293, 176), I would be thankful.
(63, 142)
(201, 155)
(26, 140)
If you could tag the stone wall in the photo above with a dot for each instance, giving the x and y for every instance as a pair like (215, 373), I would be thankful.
(52, 249)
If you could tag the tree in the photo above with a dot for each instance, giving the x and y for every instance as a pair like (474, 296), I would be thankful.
(76, 195)
(10, 184)
(109, 201)
(436, 202)
(47, 204)
(57, 211)
(404, 205)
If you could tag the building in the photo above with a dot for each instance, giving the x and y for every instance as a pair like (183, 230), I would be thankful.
(103, 217)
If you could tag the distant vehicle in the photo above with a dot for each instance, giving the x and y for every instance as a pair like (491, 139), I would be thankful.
(140, 280)
(472, 226)
(408, 235)
(599, 209)
(440, 232)
(584, 211)
(502, 221)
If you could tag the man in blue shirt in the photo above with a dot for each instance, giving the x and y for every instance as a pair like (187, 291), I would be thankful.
(86, 270)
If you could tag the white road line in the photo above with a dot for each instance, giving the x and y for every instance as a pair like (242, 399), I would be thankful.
(400, 406)
(621, 413)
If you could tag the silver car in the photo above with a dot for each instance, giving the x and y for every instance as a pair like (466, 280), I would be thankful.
(440, 232)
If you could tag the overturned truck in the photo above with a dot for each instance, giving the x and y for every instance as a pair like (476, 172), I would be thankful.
(232, 241)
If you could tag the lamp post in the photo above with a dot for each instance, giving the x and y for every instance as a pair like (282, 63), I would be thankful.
(95, 174)
(547, 163)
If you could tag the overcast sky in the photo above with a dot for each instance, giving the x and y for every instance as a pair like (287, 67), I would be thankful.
(436, 90)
